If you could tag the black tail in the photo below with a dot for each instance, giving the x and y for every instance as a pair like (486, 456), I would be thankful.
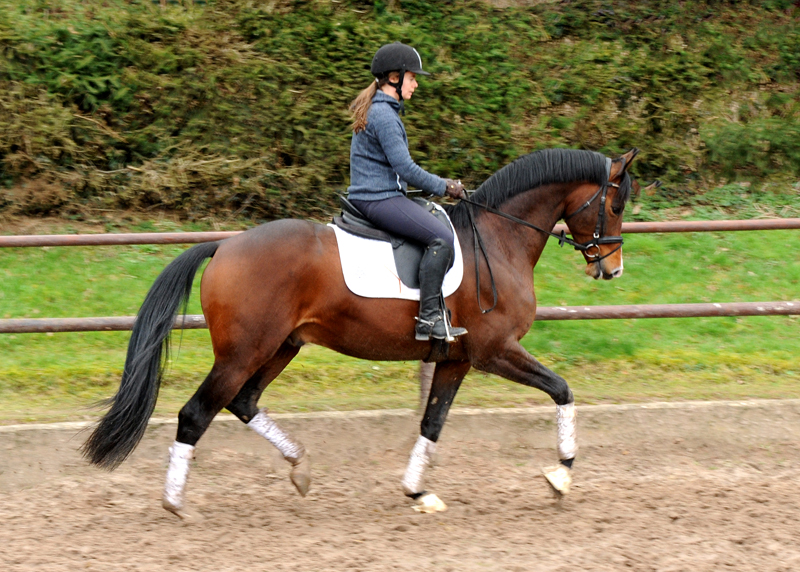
(121, 429)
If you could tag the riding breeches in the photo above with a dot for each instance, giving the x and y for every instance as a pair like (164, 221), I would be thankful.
(404, 217)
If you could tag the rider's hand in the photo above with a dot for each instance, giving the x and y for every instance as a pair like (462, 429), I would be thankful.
(454, 189)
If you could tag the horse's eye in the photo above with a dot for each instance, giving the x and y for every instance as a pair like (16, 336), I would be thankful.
(617, 210)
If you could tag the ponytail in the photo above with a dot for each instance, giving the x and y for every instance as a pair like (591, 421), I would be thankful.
(360, 106)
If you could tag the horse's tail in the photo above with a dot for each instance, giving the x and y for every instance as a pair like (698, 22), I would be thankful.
(123, 426)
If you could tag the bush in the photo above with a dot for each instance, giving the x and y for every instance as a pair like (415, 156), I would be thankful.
(239, 106)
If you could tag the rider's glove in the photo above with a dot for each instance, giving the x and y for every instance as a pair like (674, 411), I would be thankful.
(454, 189)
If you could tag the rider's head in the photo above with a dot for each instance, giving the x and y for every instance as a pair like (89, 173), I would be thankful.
(395, 67)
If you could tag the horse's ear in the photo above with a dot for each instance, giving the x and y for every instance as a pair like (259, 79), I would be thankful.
(629, 157)
(622, 163)
(651, 188)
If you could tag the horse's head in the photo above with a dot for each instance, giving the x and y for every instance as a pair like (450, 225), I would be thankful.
(594, 218)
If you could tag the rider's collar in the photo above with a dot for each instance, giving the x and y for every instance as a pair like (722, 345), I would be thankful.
(381, 97)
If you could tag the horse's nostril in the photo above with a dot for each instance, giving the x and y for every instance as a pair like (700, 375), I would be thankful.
(617, 272)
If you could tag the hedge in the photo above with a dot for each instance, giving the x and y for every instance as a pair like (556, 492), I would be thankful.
(239, 106)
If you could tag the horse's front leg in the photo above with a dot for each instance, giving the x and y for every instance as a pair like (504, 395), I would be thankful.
(516, 364)
(446, 381)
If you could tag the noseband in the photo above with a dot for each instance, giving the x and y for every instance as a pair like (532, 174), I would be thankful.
(585, 247)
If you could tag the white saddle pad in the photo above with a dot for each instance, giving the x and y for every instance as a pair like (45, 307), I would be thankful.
(370, 271)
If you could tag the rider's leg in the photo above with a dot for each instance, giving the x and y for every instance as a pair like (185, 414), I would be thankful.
(406, 218)
(435, 262)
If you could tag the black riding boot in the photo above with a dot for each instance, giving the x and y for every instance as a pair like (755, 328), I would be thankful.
(434, 265)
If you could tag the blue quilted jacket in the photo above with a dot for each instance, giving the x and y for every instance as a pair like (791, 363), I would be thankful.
(380, 164)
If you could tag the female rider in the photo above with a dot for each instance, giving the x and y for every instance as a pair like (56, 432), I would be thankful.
(381, 168)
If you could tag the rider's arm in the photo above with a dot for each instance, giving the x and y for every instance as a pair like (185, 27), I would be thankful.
(392, 136)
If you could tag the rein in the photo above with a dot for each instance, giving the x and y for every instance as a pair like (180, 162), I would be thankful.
(595, 242)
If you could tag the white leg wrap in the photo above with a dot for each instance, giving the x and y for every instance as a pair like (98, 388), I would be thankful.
(420, 458)
(180, 455)
(566, 431)
(264, 425)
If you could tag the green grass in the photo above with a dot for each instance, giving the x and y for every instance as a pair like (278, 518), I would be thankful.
(57, 376)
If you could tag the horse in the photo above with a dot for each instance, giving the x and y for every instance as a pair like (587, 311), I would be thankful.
(270, 290)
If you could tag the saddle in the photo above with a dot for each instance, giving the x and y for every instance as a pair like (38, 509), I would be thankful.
(407, 253)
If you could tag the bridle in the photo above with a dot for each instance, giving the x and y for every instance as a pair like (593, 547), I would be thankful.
(585, 247)
(599, 229)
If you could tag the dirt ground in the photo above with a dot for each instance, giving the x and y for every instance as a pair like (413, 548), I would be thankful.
(699, 486)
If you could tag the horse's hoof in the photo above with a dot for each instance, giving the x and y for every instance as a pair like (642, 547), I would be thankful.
(559, 478)
(301, 475)
(182, 513)
(176, 510)
(429, 503)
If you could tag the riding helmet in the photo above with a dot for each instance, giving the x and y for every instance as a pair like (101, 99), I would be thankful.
(396, 57)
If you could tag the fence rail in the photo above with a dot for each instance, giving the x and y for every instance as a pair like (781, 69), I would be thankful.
(121, 323)
(546, 313)
(196, 237)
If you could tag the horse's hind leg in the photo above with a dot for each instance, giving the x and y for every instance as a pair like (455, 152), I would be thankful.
(220, 387)
(446, 381)
(245, 407)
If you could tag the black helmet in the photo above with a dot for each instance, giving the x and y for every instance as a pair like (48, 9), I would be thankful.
(396, 57)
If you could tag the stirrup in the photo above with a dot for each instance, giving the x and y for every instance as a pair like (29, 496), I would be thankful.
(449, 335)
(451, 332)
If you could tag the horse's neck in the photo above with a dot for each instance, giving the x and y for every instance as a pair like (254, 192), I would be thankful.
(542, 207)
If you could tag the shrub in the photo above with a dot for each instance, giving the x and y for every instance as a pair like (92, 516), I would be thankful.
(239, 106)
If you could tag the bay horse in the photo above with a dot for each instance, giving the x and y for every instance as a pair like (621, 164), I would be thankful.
(270, 290)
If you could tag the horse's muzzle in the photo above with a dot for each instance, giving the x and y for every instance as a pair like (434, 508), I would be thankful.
(600, 270)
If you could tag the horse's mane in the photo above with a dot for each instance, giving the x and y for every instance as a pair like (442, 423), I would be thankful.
(534, 170)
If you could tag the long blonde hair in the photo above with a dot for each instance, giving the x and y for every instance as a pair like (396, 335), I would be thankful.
(359, 107)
